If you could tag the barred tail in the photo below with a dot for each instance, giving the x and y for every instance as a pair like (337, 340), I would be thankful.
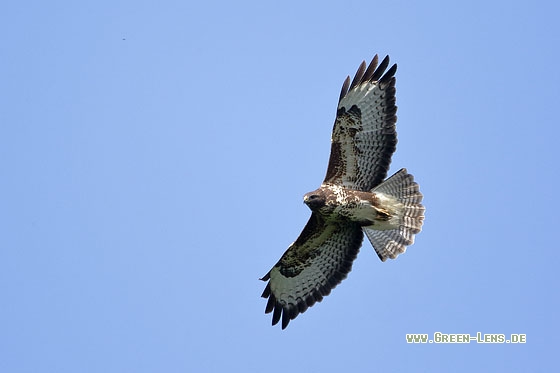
(401, 195)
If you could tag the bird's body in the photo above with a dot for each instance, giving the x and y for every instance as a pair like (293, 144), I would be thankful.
(335, 203)
(353, 199)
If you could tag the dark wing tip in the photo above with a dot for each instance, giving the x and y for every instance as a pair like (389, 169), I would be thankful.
(359, 75)
(345, 87)
(389, 74)
(371, 69)
(369, 73)
(277, 313)
(288, 312)
(265, 277)
(270, 304)
(381, 69)
(266, 293)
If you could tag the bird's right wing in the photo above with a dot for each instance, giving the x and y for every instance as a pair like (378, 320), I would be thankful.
(312, 266)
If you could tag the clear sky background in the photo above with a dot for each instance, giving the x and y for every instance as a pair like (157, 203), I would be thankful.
(154, 155)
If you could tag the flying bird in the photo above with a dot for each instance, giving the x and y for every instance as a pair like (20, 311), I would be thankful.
(353, 199)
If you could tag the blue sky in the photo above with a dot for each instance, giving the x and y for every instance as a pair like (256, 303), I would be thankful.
(154, 156)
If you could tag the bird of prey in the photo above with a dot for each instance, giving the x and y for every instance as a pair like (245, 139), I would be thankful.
(353, 199)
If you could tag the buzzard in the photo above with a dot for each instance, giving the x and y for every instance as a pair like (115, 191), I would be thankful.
(353, 199)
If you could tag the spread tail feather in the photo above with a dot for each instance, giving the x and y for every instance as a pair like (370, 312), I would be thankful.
(403, 196)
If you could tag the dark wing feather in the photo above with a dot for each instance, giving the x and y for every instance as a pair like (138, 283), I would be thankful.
(312, 266)
(364, 136)
(371, 69)
(359, 75)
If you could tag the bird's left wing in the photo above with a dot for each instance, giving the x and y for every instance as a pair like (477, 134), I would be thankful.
(364, 135)
(312, 266)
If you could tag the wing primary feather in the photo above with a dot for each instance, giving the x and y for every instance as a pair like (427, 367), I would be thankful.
(270, 304)
(277, 313)
(359, 74)
(285, 317)
(266, 292)
(293, 311)
(265, 277)
(389, 75)
(381, 69)
(345, 87)
(370, 70)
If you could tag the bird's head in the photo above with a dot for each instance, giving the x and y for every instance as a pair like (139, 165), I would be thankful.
(315, 199)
